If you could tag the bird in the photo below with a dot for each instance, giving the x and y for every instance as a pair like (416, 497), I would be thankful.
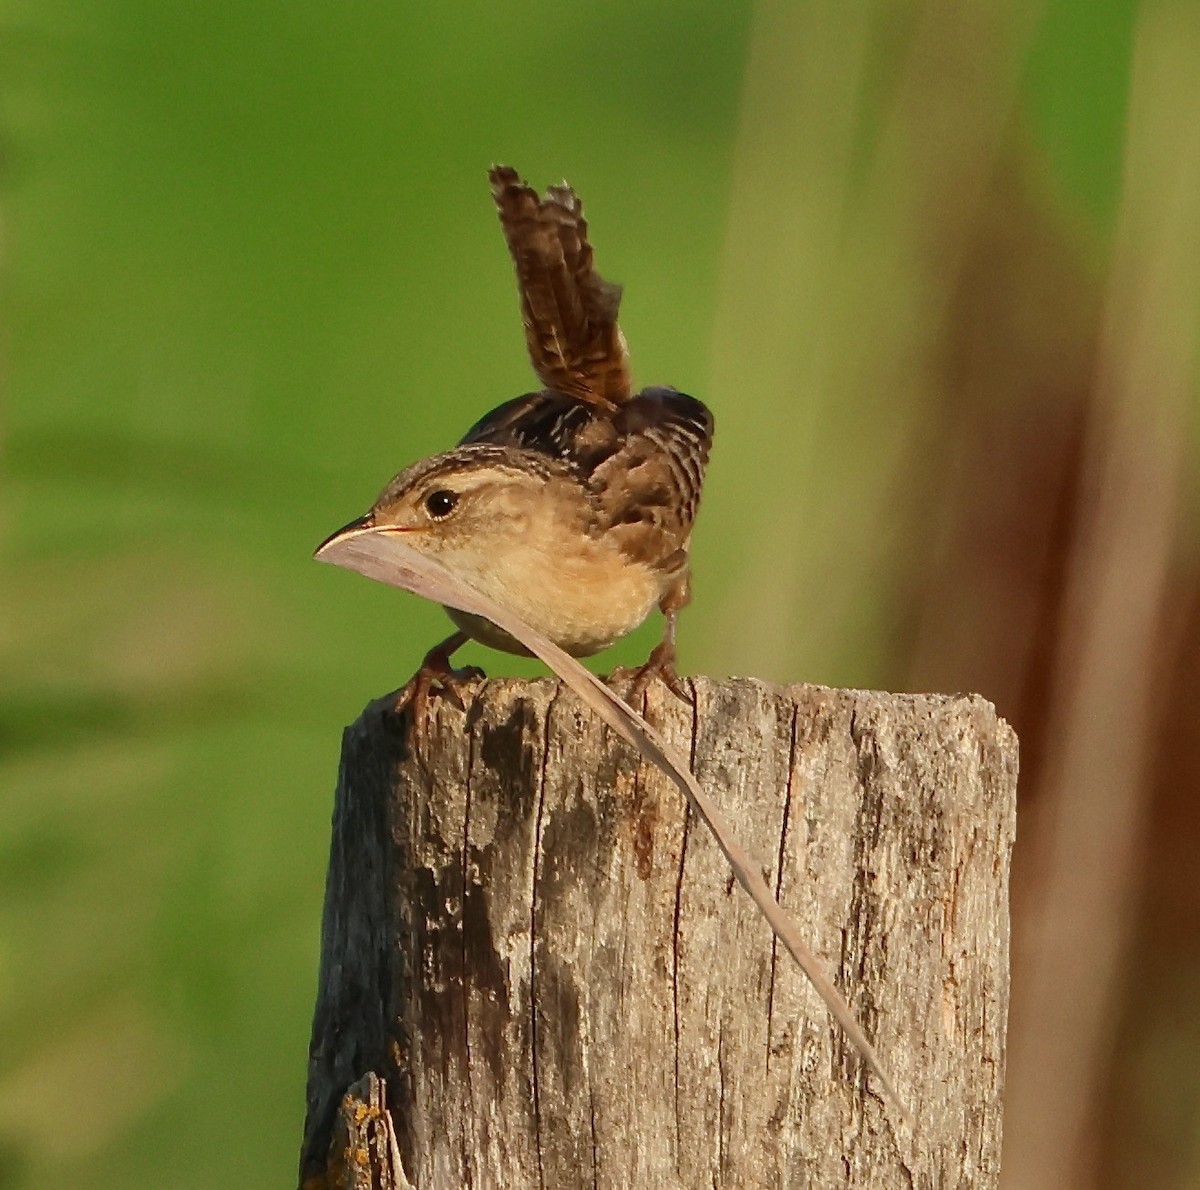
(572, 505)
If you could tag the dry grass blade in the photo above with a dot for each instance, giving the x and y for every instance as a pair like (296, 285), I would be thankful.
(382, 555)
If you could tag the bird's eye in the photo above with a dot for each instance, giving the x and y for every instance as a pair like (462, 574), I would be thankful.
(440, 503)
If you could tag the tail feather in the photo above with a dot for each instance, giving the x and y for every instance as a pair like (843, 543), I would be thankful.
(569, 310)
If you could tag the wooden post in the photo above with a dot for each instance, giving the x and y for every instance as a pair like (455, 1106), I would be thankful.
(541, 957)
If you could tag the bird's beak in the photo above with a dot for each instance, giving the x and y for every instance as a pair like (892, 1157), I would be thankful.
(363, 525)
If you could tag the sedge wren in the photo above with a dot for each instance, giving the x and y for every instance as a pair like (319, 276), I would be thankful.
(571, 506)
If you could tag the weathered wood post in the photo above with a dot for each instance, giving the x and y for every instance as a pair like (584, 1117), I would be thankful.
(535, 971)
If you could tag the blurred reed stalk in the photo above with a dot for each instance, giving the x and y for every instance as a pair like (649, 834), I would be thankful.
(1081, 863)
(866, 141)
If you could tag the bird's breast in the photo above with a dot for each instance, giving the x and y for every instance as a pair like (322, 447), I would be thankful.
(583, 598)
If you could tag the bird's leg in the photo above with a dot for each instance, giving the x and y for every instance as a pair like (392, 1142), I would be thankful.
(661, 662)
(435, 674)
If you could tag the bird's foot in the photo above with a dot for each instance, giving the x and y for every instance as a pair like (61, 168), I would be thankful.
(659, 665)
(435, 677)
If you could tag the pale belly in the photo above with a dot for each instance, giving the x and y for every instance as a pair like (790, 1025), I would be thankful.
(582, 609)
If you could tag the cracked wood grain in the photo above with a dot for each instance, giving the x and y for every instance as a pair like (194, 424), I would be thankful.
(548, 968)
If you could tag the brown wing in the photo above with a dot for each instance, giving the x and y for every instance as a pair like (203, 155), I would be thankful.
(648, 490)
(568, 428)
(569, 310)
(643, 465)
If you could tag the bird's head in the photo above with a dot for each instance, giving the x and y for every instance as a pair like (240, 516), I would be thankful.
(464, 505)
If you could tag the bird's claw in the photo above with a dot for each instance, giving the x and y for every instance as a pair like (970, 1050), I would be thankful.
(661, 665)
(436, 676)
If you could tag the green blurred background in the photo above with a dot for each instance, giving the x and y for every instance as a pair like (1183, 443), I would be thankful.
(934, 266)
